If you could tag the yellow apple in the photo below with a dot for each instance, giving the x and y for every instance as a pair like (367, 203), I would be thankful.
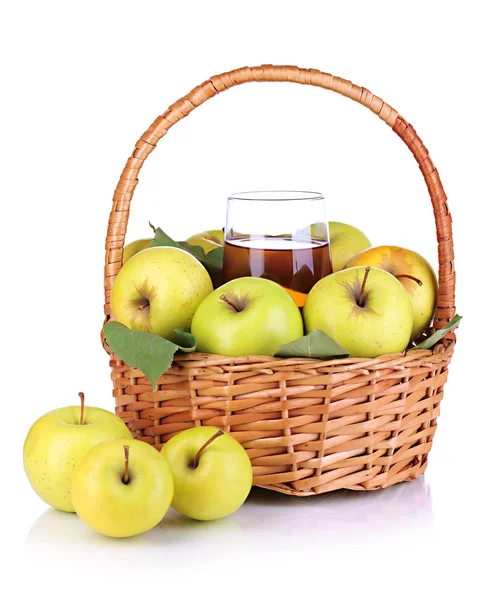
(134, 247)
(248, 315)
(159, 290)
(367, 311)
(414, 272)
(58, 441)
(345, 240)
(122, 488)
(212, 473)
(208, 240)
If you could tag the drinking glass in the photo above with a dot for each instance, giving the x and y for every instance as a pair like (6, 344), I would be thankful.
(278, 235)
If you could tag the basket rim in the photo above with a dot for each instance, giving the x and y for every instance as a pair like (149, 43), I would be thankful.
(413, 354)
(439, 348)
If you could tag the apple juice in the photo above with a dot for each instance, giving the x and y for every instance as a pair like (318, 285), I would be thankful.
(295, 264)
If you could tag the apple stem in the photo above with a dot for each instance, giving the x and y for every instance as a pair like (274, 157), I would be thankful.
(362, 289)
(229, 302)
(418, 281)
(204, 446)
(126, 476)
(143, 305)
(82, 407)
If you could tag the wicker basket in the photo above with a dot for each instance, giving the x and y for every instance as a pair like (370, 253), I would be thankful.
(309, 426)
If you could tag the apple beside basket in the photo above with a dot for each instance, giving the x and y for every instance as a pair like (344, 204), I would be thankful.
(309, 426)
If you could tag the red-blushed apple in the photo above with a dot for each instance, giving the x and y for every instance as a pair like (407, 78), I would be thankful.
(212, 473)
(245, 316)
(413, 271)
(58, 441)
(365, 310)
(158, 290)
(122, 488)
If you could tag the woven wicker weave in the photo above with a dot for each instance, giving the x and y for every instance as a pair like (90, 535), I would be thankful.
(309, 426)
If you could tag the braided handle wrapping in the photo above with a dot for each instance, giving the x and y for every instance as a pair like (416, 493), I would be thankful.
(123, 194)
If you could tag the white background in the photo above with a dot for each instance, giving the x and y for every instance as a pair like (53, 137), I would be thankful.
(81, 82)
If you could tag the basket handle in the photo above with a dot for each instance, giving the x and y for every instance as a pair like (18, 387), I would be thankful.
(123, 194)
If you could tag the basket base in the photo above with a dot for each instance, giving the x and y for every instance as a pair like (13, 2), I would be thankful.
(308, 426)
(414, 470)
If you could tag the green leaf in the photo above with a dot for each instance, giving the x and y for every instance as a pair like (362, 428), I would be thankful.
(184, 339)
(196, 251)
(148, 352)
(439, 333)
(162, 239)
(214, 258)
(213, 261)
(316, 344)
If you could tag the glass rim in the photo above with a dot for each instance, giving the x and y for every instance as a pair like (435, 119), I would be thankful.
(276, 196)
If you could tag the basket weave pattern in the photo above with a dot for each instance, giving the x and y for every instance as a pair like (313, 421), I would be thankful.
(309, 426)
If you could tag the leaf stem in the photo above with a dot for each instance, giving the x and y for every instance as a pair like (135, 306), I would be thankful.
(418, 281)
(82, 407)
(230, 303)
(126, 476)
(204, 446)
(362, 289)
(144, 304)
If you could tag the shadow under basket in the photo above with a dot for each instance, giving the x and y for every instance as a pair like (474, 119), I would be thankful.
(309, 426)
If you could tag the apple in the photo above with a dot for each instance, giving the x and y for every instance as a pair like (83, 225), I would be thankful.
(208, 240)
(248, 315)
(365, 310)
(58, 441)
(122, 488)
(212, 473)
(414, 272)
(134, 247)
(159, 290)
(345, 241)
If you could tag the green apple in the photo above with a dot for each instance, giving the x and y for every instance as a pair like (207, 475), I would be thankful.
(208, 240)
(159, 289)
(414, 272)
(58, 441)
(248, 315)
(122, 488)
(367, 311)
(212, 473)
(134, 247)
(345, 241)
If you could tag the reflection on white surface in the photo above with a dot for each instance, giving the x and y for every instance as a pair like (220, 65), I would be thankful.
(269, 523)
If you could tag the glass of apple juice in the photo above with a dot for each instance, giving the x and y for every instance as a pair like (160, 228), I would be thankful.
(278, 235)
